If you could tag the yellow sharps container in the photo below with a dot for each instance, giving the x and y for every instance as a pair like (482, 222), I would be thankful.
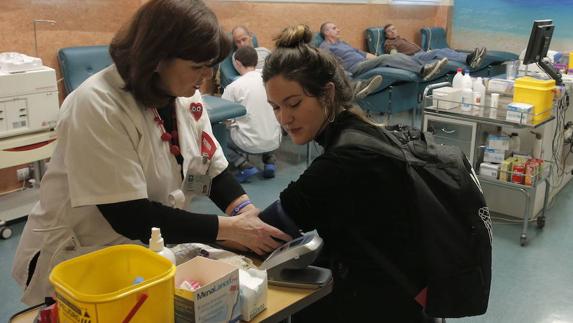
(116, 284)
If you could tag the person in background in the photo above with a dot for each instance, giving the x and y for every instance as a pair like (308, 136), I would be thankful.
(126, 139)
(357, 62)
(257, 132)
(242, 37)
(395, 43)
(347, 191)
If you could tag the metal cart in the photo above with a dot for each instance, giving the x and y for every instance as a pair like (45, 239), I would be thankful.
(478, 121)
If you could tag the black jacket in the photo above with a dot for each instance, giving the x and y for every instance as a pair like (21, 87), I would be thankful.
(352, 189)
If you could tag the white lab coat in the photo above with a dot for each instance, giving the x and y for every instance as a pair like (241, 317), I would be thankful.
(109, 150)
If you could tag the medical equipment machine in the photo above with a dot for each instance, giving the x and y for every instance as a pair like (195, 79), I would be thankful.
(289, 265)
(28, 101)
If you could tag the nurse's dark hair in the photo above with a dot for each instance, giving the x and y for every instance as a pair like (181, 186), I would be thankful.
(296, 60)
(162, 30)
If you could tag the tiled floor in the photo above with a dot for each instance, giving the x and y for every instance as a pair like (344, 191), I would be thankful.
(530, 285)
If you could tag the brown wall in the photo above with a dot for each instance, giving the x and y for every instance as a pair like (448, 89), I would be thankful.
(94, 22)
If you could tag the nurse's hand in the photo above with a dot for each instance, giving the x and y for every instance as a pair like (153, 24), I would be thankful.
(248, 230)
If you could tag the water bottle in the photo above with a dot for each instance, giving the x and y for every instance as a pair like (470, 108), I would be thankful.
(467, 81)
(479, 87)
(457, 80)
(467, 99)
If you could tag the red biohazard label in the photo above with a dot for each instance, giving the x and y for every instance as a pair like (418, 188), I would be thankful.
(208, 145)
(196, 109)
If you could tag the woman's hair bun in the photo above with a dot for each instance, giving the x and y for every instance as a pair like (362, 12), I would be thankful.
(293, 36)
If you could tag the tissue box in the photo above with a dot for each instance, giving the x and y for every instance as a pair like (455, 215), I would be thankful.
(254, 285)
(519, 112)
(498, 142)
(216, 301)
(446, 97)
(488, 169)
(491, 155)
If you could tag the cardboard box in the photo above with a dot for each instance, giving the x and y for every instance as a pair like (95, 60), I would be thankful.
(446, 97)
(216, 301)
(489, 170)
(498, 142)
(519, 112)
(494, 155)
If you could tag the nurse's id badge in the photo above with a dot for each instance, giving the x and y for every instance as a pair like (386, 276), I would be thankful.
(198, 184)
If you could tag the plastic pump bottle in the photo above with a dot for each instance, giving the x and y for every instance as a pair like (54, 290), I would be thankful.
(156, 244)
(457, 81)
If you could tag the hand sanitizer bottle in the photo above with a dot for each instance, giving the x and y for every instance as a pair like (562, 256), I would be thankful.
(156, 244)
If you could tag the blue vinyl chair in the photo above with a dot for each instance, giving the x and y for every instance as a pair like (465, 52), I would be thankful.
(406, 95)
(227, 71)
(390, 96)
(492, 65)
(79, 63)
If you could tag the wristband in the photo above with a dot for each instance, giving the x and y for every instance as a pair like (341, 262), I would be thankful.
(239, 207)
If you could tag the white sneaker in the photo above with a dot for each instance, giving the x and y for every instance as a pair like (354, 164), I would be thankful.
(364, 87)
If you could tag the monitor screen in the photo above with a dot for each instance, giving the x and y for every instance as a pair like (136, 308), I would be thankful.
(539, 41)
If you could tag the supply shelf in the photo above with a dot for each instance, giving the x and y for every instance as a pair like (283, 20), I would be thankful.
(516, 183)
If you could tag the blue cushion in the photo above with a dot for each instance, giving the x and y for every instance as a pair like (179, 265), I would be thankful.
(79, 63)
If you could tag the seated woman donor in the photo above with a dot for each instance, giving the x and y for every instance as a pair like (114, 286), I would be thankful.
(344, 192)
(126, 139)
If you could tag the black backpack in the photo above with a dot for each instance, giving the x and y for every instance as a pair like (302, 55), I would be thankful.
(450, 209)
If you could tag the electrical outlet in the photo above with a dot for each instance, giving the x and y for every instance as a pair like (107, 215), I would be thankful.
(23, 174)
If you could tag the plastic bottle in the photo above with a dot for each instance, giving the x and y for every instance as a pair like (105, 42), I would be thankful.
(493, 104)
(467, 81)
(457, 80)
(467, 99)
(156, 244)
(514, 142)
(478, 86)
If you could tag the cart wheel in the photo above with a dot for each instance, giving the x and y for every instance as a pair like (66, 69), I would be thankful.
(541, 222)
(5, 233)
(523, 240)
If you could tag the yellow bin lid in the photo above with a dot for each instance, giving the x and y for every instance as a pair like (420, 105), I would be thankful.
(529, 82)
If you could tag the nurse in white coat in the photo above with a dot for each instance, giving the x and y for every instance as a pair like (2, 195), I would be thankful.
(126, 139)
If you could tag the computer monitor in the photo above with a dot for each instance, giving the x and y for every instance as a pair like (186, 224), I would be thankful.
(538, 45)
(539, 41)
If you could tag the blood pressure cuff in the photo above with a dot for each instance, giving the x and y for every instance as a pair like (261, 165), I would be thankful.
(276, 216)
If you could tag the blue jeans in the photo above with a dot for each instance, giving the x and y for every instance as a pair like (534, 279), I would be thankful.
(397, 60)
(450, 54)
